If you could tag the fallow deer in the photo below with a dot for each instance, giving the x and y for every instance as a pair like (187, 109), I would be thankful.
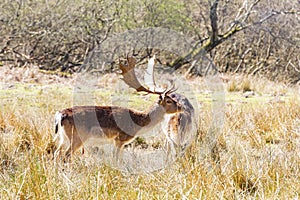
(113, 124)
(179, 125)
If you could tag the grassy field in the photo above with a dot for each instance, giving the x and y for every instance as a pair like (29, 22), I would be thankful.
(257, 155)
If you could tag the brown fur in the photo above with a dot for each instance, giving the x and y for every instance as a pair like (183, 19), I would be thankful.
(109, 124)
(179, 125)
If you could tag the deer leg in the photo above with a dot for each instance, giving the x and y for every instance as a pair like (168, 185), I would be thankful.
(55, 138)
(171, 152)
(171, 147)
(118, 153)
(120, 141)
(75, 144)
(60, 143)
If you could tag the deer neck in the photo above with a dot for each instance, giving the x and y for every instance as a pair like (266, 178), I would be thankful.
(155, 115)
(149, 119)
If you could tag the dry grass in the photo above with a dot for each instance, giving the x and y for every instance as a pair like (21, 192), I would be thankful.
(257, 155)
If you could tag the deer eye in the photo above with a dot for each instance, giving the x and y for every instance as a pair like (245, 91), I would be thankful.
(169, 101)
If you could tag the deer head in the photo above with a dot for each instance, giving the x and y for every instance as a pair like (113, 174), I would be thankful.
(132, 81)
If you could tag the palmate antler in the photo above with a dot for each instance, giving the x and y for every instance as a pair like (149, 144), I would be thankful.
(131, 80)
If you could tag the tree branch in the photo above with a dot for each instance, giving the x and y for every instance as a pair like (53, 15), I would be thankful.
(214, 21)
(215, 39)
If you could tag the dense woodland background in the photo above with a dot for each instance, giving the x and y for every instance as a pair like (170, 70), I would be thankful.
(245, 36)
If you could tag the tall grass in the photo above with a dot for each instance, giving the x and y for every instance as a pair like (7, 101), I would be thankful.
(258, 154)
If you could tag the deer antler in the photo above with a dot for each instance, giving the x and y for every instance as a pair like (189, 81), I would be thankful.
(149, 73)
(130, 78)
(171, 90)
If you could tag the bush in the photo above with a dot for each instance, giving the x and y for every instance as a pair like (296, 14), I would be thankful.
(53, 35)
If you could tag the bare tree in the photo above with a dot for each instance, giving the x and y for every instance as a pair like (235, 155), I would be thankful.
(248, 18)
